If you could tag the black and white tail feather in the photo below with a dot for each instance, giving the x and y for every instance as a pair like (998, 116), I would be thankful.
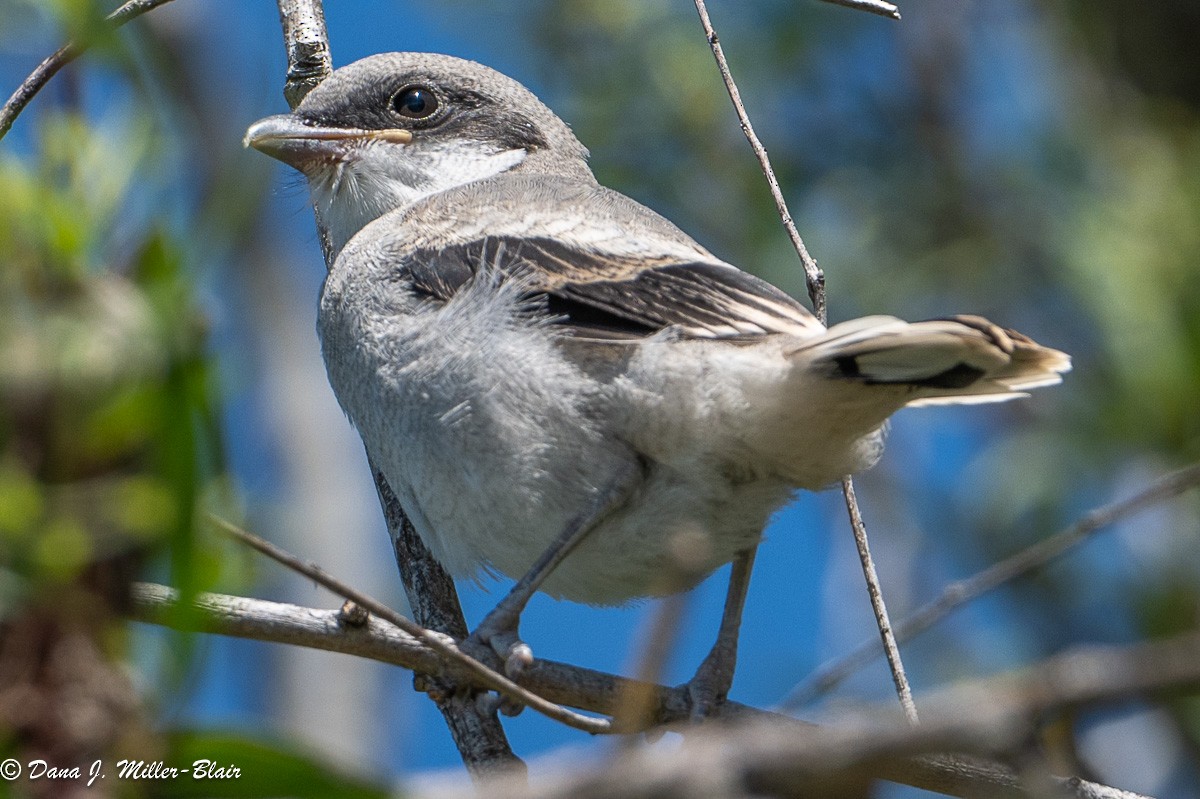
(956, 360)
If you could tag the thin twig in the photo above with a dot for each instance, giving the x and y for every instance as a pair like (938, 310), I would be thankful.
(879, 7)
(813, 277)
(959, 593)
(903, 690)
(815, 280)
(487, 676)
(59, 59)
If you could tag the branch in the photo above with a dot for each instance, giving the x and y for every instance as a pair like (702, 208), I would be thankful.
(815, 280)
(483, 675)
(476, 730)
(957, 594)
(875, 592)
(380, 640)
(813, 277)
(984, 716)
(307, 43)
(59, 59)
(762, 757)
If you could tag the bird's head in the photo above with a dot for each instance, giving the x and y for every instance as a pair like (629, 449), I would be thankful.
(391, 129)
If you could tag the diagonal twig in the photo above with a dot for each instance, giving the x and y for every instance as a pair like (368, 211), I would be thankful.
(959, 593)
(815, 280)
(880, 7)
(813, 277)
(64, 55)
(886, 634)
(440, 644)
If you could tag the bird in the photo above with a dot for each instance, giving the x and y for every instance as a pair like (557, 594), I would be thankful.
(559, 384)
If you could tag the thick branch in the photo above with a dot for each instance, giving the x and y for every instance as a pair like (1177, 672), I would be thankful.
(764, 758)
(276, 622)
(477, 732)
(59, 59)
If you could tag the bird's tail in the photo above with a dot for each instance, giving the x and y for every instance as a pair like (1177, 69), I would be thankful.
(959, 359)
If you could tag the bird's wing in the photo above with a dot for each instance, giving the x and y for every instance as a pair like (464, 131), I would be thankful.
(595, 293)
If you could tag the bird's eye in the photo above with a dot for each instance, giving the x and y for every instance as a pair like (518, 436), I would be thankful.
(415, 102)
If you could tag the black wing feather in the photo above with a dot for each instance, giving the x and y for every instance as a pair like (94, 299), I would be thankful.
(597, 295)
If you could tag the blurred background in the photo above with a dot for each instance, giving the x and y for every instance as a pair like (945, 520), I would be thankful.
(1038, 163)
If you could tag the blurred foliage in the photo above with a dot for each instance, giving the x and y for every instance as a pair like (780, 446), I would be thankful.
(107, 431)
(111, 418)
(110, 442)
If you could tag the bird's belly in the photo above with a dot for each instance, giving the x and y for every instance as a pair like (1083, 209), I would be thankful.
(490, 498)
(494, 440)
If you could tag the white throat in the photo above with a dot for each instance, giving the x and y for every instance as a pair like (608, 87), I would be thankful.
(381, 176)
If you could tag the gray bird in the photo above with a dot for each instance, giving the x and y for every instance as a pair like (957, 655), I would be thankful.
(542, 367)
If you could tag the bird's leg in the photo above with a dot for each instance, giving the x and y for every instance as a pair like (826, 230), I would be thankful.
(499, 628)
(710, 684)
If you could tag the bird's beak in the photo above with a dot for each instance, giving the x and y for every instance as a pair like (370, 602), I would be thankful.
(295, 143)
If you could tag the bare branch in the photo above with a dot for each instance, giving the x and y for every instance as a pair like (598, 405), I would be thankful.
(443, 645)
(1023, 562)
(475, 728)
(985, 716)
(307, 43)
(378, 639)
(813, 276)
(879, 7)
(890, 647)
(59, 59)
(815, 281)
(763, 757)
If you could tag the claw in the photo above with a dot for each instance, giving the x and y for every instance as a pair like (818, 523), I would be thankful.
(499, 632)
(491, 702)
(517, 655)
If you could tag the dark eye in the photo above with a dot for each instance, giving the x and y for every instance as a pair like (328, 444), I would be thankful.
(415, 102)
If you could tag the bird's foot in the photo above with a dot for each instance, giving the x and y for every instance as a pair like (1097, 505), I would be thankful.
(709, 686)
(498, 632)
